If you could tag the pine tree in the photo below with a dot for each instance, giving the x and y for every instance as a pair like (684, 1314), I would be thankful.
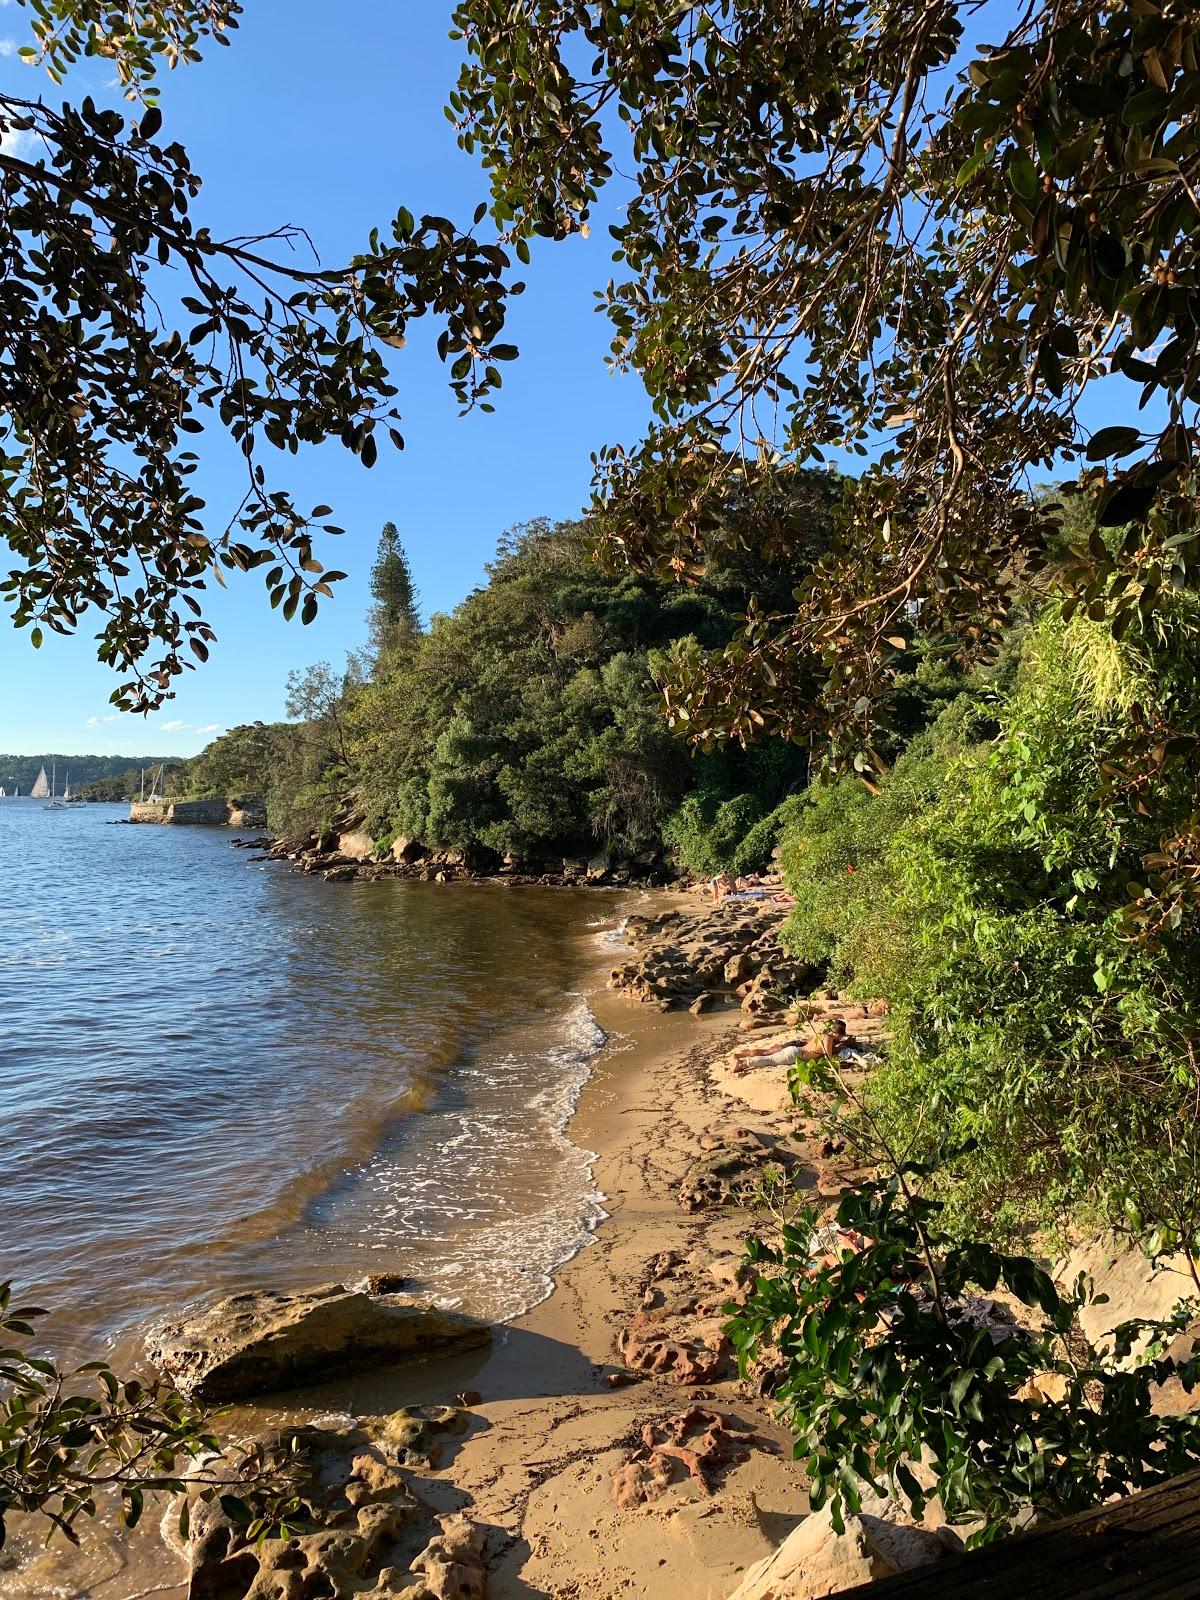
(394, 619)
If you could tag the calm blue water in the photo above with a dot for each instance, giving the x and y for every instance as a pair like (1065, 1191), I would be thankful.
(219, 1073)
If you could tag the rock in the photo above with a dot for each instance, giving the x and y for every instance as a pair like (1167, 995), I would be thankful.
(249, 814)
(407, 850)
(344, 874)
(1133, 1285)
(265, 1341)
(738, 968)
(599, 867)
(452, 1563)
(1136, 1288)
(417, 1433)
(702, 1003)
(371, 1536)
(388, 1283)
(356, 845)
(687, 1360)
(814, 1561)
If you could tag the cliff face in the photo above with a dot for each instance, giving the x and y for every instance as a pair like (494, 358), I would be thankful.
(218, 812)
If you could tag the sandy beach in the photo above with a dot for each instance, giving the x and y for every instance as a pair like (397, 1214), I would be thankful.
(537, 1462)
(554, 1413)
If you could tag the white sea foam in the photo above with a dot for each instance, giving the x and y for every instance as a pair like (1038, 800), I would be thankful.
(494, 1196)
(615, 938)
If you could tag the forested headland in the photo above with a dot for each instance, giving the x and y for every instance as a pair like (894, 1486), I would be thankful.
(530, 723)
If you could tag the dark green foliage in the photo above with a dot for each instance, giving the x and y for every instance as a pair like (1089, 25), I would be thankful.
(394, 620)
(238, 764)
(884, 1366)
(529, 722)
(102, 369)
(997, 901)
(108, 777)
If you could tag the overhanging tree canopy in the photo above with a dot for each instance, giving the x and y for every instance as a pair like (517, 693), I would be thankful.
(850, 228)
(841, 227)
(127, 327)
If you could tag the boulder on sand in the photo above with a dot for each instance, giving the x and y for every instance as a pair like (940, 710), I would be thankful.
(814, 1561)
(265, 1341)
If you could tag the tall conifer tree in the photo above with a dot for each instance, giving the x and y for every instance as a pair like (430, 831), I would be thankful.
(394, 620)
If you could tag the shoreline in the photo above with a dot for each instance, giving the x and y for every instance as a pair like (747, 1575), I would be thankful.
(546, 1432)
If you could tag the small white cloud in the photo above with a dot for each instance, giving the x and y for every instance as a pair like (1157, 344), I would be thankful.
(8, 47)
(16, 142)
(210, 727)
(95, 722)
(175, 727)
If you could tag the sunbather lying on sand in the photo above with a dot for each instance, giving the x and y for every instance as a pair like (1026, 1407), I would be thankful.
(808, 1048)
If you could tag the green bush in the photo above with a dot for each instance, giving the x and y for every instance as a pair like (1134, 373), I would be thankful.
(886, 1362)
(705, 832)
(755, 851)
(989, 903)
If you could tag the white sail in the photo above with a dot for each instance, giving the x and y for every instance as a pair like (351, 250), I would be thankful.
(41, 788)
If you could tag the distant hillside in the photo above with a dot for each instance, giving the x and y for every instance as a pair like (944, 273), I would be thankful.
(21, 771)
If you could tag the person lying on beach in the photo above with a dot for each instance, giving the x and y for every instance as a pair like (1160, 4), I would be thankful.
(832, 1039)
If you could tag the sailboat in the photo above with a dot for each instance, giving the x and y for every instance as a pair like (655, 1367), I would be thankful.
(70, 799)
(41, 787)
(54, 803)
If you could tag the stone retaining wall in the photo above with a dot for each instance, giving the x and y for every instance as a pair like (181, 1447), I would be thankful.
(218, 812)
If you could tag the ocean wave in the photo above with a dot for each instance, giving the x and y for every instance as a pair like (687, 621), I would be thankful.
(487, 1201)
(615, 938)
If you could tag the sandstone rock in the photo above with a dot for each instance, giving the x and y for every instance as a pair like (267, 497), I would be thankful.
(702, 1003)
(388, 1283)
(371, 1537)
(265, 1341)
(814, 1561)
(356, 845)
(687, 1360)
(452, 1563)
(599, 867)
(417, 1433)
(1133, 1285)
(407, 850)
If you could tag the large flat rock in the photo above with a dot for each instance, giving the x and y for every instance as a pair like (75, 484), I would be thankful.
(258, 1343)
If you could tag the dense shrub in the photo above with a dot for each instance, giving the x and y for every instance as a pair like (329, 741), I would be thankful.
(990, 903)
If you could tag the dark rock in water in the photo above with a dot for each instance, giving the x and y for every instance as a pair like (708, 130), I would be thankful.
(261, 1342)
(388, 1283)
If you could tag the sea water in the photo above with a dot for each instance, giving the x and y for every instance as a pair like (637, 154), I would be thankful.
(218, 1074)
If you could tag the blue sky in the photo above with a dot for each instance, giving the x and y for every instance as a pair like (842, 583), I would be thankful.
(331, 117)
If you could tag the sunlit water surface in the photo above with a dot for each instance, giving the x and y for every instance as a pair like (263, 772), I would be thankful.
(217, 1073)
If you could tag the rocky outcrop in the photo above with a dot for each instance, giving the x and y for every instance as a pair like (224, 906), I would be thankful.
(697, 1443)
(265, 1341)
(371, 1535)
(814, 1561)
(356, 845)
(1136, 1288)
(730, 952)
